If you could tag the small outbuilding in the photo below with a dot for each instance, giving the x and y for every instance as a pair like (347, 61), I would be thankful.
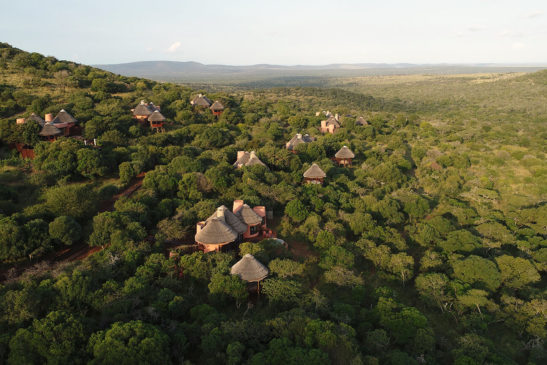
(344, 156)
(250, 270)
(217, 108)
(314, 175)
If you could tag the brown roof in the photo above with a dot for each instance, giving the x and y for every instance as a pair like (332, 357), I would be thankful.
(298, 139)
(50, 130)
(361, 121)
(156, 116)
(216, 231)
(201, 100)
(63, 117)
(143, 109)
(248, 159)
(344, 152)
(249, 269)
(314, 172)
(37, 119)
(333, 121)
(229, 218)
(248, 216)
(217, 105)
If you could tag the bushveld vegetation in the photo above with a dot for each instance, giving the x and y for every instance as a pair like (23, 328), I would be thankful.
(431, 248)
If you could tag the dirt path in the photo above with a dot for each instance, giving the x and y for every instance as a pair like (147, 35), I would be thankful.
(72, 253)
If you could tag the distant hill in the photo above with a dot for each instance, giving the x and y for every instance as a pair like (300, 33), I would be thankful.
(298, 75)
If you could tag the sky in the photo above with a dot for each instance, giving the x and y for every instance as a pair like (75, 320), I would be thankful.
(237, 32)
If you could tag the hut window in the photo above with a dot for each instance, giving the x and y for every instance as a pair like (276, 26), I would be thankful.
(253, 229)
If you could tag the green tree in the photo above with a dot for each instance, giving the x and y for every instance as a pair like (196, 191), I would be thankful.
(282, 290)
(89, 163)
(78, 201)
(516, 272)
(230, 285)
(65, 229)
(475, 270)
(56, 339)
(134, 342)
(296, 210)
(127, 172)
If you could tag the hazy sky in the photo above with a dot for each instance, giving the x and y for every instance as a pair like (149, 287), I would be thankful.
(280, 32)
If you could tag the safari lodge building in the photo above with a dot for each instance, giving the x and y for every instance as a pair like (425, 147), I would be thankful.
(225, 227)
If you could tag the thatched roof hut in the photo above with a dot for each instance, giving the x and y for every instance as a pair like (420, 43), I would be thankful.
(37, 119)
(361, 121)
(49, 130)
(143, 109)
(314, 172)
(216, 232)
(156, 117)
(201, 101)
(344, 153)
(298, 139)
(248, 215)
(217, 105)
(249, 269)
(247, 159)
(63, 117)
(229, 218)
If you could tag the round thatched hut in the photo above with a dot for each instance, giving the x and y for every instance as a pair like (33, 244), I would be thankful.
(344, 156)
(314, 175)
(214, 234)
(250, 269)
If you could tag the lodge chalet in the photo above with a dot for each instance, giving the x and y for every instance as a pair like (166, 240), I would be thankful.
(149, 113)
(225, 227)
(330, 125)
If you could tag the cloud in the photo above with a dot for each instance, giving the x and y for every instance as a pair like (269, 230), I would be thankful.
(518, 45)
(172, 48)
(534, 14)
(510, 34)
(476, 28)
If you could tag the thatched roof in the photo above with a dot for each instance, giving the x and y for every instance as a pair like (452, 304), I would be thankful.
(50, 130)
(254, 160)
(63, 117)
(217, 106)
(216, 231)
(344, 152)
(37, 119)
(201, 100)
(143, 109)
(333, 121)
(248, 159)
(156, 116)
(314, 172)
(229, 218)
(248, 216)
(249, 269)
(298, 139)
(361, 121)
